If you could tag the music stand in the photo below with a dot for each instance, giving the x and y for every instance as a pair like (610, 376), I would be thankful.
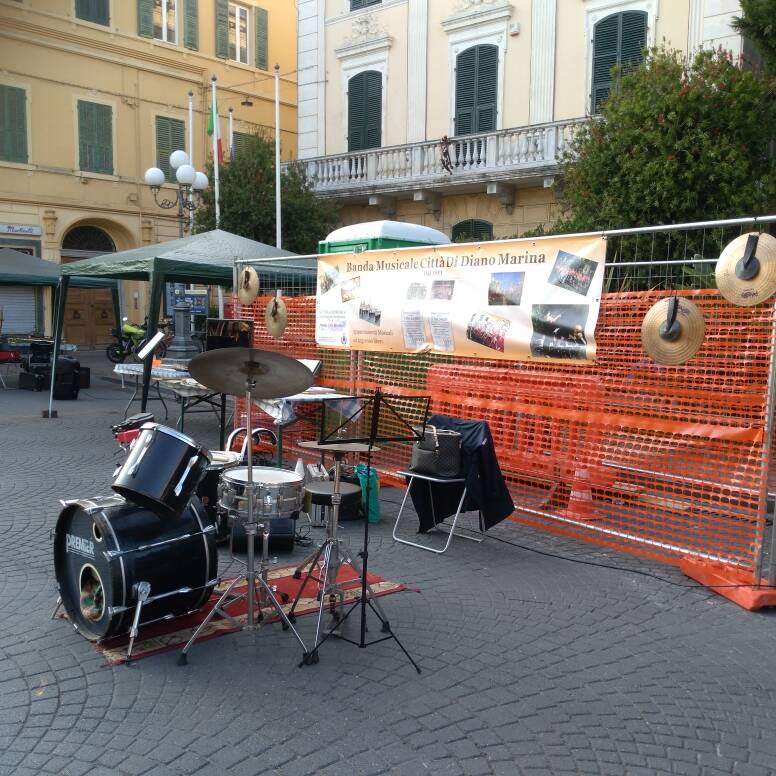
(368, 420)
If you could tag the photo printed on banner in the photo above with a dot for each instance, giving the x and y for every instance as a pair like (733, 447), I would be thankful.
(505, 288)
(574, 273)
(417, 291)
(350, 289)
(559, 331)
(488, 330)
(369, 312)
(442, 289)
(328, 279)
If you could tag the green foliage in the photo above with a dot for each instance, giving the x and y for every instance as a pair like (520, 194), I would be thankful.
(677, 142)
(758, 24)
(247, 192)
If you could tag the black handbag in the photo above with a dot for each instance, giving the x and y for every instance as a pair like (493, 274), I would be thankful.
(438, 454)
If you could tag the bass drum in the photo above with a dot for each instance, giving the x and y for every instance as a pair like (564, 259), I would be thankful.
(104, 546)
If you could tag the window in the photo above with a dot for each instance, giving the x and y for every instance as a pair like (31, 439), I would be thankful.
(13, 124)
(96, 11)
(239, 141)
(618, 41)
(95, 137)
(476, 89)
(355, 5)
(170, 136)
(166, 20)
(472, 230)
(238, 33)
(365, 110)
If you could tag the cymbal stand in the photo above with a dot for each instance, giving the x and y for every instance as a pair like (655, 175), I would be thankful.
(251, 575)
(332, 553)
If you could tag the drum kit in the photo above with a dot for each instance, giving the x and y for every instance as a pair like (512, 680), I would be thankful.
(149, 552)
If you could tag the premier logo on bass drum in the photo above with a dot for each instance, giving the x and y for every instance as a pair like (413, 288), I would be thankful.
(79, 546)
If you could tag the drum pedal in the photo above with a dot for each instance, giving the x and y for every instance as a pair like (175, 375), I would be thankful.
(142, 590)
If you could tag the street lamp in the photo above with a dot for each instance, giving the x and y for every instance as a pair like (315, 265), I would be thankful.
(190, 184)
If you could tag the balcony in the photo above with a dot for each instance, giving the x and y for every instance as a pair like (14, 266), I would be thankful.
(520, 156)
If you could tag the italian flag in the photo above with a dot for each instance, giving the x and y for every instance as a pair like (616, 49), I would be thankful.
(212, 126)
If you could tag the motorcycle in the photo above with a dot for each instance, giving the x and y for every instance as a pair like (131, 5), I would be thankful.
(130, 340)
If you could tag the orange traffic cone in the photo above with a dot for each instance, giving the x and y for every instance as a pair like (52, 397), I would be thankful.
(580, 504)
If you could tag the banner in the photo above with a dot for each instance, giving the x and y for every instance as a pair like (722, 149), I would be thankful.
(534, 299)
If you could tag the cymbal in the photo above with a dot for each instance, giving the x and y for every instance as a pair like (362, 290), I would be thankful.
(233, 370)
(247, 285)
(339, 447)
(276, 316)
(746, 269)
(672, 331)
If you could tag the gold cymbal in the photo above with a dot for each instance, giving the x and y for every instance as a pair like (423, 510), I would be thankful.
(746, 269)
(672, 331)
(247, 285)
(276, 316)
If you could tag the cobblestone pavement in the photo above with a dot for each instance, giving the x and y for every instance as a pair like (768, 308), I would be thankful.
(531, 664)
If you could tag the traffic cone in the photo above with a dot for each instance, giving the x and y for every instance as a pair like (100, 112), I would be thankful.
(580, 504)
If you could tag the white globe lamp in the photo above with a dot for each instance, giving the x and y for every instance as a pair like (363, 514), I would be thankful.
(200, 181)
(186, 175)
(179, 159)
(154, 176)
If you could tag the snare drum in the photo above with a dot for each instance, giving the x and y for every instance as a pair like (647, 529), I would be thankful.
(276, 492)
(162, 470)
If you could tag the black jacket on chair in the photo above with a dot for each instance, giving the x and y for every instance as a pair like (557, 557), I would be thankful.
(486, 489)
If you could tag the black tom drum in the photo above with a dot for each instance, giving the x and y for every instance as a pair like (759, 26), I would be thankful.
(162, 470)
(104, 546)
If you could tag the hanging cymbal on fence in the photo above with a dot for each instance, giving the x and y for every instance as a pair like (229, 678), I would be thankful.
(746, 269)
(276, 316)
(672, 331)
(248, 285)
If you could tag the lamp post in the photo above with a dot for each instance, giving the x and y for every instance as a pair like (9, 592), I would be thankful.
(190, 183)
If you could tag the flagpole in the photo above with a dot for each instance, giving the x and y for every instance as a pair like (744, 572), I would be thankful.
(231, 134)
(214, 110)
(278, 226)
(191, 146)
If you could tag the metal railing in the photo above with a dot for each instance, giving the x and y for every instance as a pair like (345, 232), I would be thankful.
(502, 154)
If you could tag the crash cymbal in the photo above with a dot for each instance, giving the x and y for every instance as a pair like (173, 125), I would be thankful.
(247, 285)
(233, 370)
(672, 331)
(746, 269)
(276, 316)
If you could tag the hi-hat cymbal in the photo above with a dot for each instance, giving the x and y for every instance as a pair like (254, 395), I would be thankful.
(672, 331)
(247, 285)
(746, 269)
(235, 370)
(276, 316)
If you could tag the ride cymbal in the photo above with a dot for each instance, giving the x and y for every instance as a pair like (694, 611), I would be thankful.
(235, 370)
(247, 285)
(672, 331)
(746, 269)
(276, 317)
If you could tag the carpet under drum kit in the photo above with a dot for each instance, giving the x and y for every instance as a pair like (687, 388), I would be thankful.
(148, 553)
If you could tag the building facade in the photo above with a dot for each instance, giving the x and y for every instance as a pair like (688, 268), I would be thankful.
(454, 113)
(94, 92)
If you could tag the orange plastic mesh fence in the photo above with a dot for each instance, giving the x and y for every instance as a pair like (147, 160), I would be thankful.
(657, 460)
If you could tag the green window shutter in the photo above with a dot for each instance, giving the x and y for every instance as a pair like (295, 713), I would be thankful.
(96, 11)
(261, 25)
(191, 24)
(476, 90)
(472, 230)
(222, 28)
(95, 137)
(170, 136)
(365, 109)
(240, 140)
(465, 91)
(13, 124)
(618, 40)
(356, 4)
(145, 18)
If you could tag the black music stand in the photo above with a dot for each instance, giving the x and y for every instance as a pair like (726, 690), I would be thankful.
(368, 420)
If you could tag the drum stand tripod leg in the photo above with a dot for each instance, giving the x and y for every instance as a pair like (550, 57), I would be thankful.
(57, 607)
(142, 590)
(370, 593)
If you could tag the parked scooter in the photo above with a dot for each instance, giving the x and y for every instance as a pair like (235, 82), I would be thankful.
(131, 339)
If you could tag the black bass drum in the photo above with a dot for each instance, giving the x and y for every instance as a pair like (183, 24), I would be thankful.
(104, 546)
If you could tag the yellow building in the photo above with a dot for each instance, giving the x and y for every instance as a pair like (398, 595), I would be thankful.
(94, 92)
(383, 85)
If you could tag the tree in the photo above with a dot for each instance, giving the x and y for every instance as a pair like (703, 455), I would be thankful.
(247, 199)
(677, 141)
(758, 24)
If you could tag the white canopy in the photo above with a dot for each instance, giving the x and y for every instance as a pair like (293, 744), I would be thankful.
(392, 230)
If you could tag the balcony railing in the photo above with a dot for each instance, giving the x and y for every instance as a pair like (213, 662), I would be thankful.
(502, 155)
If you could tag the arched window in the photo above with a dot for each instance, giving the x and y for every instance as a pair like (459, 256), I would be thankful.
(472, 230)
(88, 238)
(365, 110)
(476, 90)
(618, 40)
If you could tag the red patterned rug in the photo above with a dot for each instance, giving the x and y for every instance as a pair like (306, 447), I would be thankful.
(167, 636)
